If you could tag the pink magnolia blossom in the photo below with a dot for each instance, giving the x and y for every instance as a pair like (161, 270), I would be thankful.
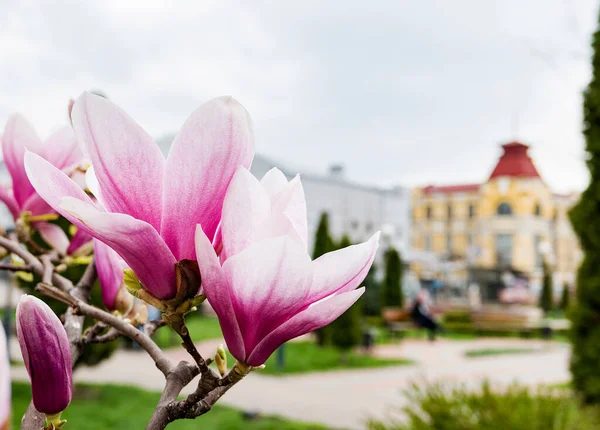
(148, 206)
(46, 353)
(60, 149)
(4, 382)
(265, 289)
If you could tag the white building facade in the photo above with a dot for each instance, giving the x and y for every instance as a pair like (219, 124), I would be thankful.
(353, 209)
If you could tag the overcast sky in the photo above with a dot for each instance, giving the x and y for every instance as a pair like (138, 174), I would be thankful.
(401, 92)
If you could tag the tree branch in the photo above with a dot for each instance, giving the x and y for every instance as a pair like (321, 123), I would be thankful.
(48, 268)
(80, 307)
(87, 281)
(189, 346)
(32, 261)
(151, 326)
(15, 267)
(109, 336)
(176, 380)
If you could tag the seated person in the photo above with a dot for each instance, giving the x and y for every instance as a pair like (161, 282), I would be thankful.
(421, 314)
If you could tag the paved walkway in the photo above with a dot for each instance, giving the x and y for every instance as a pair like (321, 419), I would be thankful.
(344, 399)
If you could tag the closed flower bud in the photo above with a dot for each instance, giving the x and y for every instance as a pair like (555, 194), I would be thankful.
(45, 350)
(221, 360)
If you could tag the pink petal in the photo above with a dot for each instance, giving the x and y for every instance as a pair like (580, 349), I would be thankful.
(110, 272)
(343, 270)
(136, 241)
(91, 182)
(214, 141)
(316, 316)
(274, 181)
(54, 236)
(246, 209)
(276, 226)
(270, 282)
(62, 150)
(291, 202)
(80, 239)
(36, 205)
(19, 136)
(128, 164)
(50, 183)
(7, 198)
(218, 293)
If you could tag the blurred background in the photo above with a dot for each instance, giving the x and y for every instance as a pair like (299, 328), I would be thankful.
(454, 128)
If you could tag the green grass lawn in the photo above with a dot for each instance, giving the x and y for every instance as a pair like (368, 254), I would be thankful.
(302, 357)
(499, 351)
(101, 407)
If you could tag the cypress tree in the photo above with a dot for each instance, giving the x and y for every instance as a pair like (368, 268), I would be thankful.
(585, 330)
(546, 299)
(566, 296)
(323, 244)
(345, 332)
(371, 299)
(392, 289)
(323, 241)
(345, 242)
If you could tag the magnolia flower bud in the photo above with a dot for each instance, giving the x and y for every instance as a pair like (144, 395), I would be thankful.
(45, 350)
(221, 360)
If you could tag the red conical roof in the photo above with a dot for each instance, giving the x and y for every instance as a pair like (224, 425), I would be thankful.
(515, 162)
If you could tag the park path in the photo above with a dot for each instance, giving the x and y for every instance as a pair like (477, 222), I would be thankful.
(344, 399)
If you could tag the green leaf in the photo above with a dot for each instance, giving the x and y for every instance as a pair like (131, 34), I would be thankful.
(132, 283)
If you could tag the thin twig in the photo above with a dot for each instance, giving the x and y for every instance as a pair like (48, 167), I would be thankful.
(151, 326)
(46, 260)
(94, 331)
(15, 267)
(189, 346)
(109, 336)
(88, 279)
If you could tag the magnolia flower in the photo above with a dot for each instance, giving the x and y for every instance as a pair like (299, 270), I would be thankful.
(265, 289)
(148, 206)
(60, 149)
(4, 382)
(45, 350)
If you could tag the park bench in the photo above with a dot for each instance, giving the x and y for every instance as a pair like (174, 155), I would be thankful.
(518, 319)
(397, 321)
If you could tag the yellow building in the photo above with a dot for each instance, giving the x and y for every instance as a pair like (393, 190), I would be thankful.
(511, 220)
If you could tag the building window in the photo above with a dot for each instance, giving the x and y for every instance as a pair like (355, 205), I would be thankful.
(449, 211)
(369, 227)
(537, 211)
(428, 242)
(428, 210)
(354, 225)
(539, 257)
(449, 243)
(504, 209)
(504, 244)
(469, 239)
(471, 211)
